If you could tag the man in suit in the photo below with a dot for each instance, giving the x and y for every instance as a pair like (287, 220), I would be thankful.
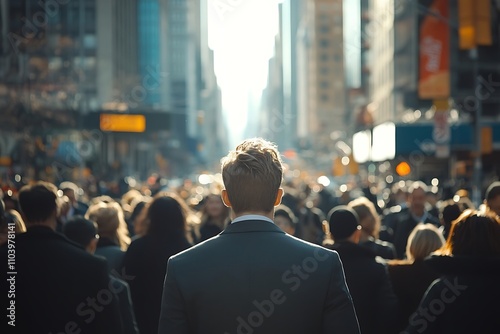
(405, 221)
(254, 278)
(54, 285)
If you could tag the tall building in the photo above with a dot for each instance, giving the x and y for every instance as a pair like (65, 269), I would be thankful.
(119, 51)
(289, 25)
(320, 63)
(210, 131)
(63, 64)
(433, 70)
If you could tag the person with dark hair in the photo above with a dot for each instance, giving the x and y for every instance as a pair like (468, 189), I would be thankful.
(368, 280)
(285, 219)
(84, 233)
(448, 212)
(137, 219)
(146, 258)
(309, 218)
(405, 221)
(492, 198)
(58, 286)
(465, 297)
(253, 277)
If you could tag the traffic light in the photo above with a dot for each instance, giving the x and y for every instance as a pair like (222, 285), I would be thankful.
(474, 23)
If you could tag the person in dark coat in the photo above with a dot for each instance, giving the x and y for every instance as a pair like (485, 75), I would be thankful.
(146, 258)
(253, 277)
(412, 276)
(367, 279)
(465, 298)
(405, 221)
(84, 232)
(56, 286)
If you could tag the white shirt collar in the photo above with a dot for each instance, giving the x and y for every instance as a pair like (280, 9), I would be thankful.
(251, 217)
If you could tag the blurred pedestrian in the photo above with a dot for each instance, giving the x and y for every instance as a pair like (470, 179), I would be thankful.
(214, 216)
(492, 198)
(368, 280)
(55, 279)
(146, 258)
(113, 232)
(411, 277)
(84, 233)
(405, 221)
(465, 297)
(285, 219)
(370, 228)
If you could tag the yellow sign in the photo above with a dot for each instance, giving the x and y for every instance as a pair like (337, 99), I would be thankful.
(122, 123)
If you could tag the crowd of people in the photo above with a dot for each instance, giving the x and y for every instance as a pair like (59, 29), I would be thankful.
(99, 264)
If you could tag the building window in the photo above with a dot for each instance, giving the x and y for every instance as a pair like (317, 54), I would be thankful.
(324, 28)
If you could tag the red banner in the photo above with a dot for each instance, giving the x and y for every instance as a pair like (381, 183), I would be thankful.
(434, 49)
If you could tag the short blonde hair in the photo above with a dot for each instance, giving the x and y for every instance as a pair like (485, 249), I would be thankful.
(422, 241)
(110, 222)
(252, 175)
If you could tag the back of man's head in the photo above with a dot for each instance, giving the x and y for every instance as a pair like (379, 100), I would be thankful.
(80, 230)
(39, 203)
(343, 222)
(252, 175)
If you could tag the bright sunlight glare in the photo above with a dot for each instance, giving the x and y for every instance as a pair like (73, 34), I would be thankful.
(242, 35)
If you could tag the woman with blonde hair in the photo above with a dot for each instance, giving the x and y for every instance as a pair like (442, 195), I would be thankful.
(113, 232)
(411, 277)
(370, 228)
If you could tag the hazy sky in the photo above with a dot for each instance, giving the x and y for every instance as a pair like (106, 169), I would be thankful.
(241, 33)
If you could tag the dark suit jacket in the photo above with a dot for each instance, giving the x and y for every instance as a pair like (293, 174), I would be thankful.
(58, 287)
(254, 278)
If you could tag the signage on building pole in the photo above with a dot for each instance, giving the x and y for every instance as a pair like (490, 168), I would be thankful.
(434, 44)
